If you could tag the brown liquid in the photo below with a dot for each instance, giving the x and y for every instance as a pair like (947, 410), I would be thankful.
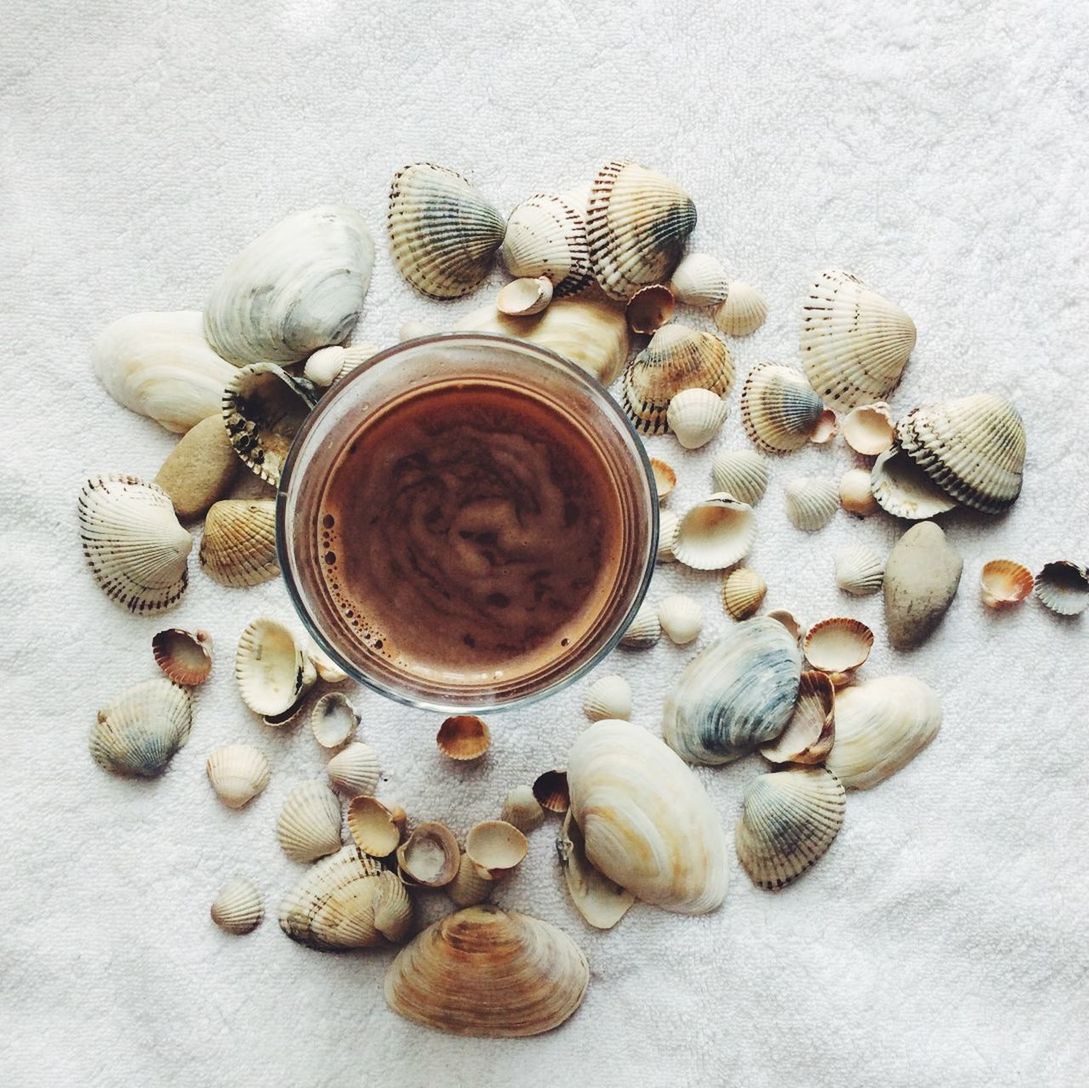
(470, 530)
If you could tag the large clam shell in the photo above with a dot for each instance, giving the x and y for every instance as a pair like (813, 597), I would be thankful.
(715, 534)
(237, 773)
(238, 547)
(546, 236)
(137, 733)
(601, 901)
(238, 907)
(741, 473)
(902, 489)
(309, 823)
(779, 411)
(271, 668)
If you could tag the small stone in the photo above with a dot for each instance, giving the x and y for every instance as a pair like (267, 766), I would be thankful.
(200, 468)
(921, 579)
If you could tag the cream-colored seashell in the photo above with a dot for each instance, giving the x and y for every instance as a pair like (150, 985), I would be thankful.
(838, 645)
(650, 308)
(811, 731)
(681, 618)
(309, 823)
(522, 809)
(644, 630)
(271, 668)
(601, 901)
(665, 477)
(430, 856)
(288, 715)
(827, 428)
(326, 668)
(668, 524)
(741, 473)
(551, 791)
(921, 578)
(869, 429)
(463, 737)
(779, 411)
(333, 720)
(1063, 587)
(354, 770)
(134, 544)
(855, 495)
(881, 725)
(184, 656)
(160, 365)
(546, 236)
(470, 886)
(238, 547)
(782, 616)
(1003, 582)
(902, 489)
(238, 907)
(329, 365)
(137, 733)
(487, 972)
(695, 416)
(495, 847)
(742, 311)
(646, 821)
(238, 773)
(521, 298)
(855, 343)
(743, 592)
(414, 330)
(374, 827)
(860, 571)
(608, 697)
(811, 502)
(715, 534)
(788, 821)
(700, 280)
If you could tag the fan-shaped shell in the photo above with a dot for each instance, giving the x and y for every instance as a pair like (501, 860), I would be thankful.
(644, 630)
(238, 908)
(373, 827)
(902, 489)
(650, 308)
(700, 280)
(495, 847)
(271, 668)
(740, 473)
(1063, 587)
(463, 737)
(601, 901)
(521, 298)
(681, 618)
(138, 732)
(779, 411)
(1003, 582)
(869, 429)
(238, 773)
(743, 591)
(811, 502)
(715, 534)
(552, 791)
(665, 477)
(522, 809)
(608, 697)
(184, 656)
(238, 547)
(860, 571)
(354, 770)
(668, 524)
(838, 645)
(855, 495)
(470, 886)
(811, 731)
(742, 311)
(429, 856)
(695, 416)
(546, 236)
(309, 824)
(333, 720)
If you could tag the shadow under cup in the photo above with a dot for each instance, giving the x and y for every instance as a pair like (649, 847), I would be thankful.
(402, 376)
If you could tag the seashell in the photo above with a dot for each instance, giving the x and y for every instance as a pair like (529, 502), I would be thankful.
(495, 847)
(238, 773)
(700, 280)
(333, 720)
(184, 656)
(293, 289)
(551, 791)
(681, 618)
(329, 365)
(237, 908)
(869, 429)
(665, 477)
(881, 725)
(414, 330)
(677, 358)
(1063, 587)
(646, 821)
(715, 534)
(309, 823)
(779, 411)
(644, 630)
(1003, 582)
(855, 495)
(263, 408)
(522, 809)
(811, 502)
(160, 365)
(463, 737)
(782, 616)
(811, 731)
(650, 308)
(695, 416)
(133, 542)
(601, 901)
(855, 343)
(902, 489)
(859, 570)
(921, 578)
(788, 820)
(238, 547)
(326, 668)
(523, 297)
(546, 236)
(637, 223)
(743, 592)
(735, 695)
(354, 770)
(429, 856)
(742, 311)
(443, 232)
(373, 826)
(827, 428)
(608, 697)
(470, 886)
(271, 669)
(137, 733)
(837, 646)
(668, 524)
(288, 715)
(486, 972)
(741, 473)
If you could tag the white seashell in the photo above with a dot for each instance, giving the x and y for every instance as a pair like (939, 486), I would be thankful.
(855, 495)
(644, 630)
(608, 697)
(869, 429)
(134, 544)
(902, 489)
(495, 847)
(700, 280)
(859, 570)
(546, 236)
(741, 473)
(650, 308)
(782, 616)
(1003, 582)
(470, 886)
(333, 720)
(601, 901)
(463, 737)
(838, 645)
(811, 502)
(309, 823)
(668, 524)
(183, 656)
(826, 429)
(328, 365)
(695, 416)
(523, 297)
(271, 668)
(294, 289)
(373, 827)
(354, 770)
(811, 731)
(665, 477)
(742, 311)
(779, 411)
(237, 908)
(1063, 587)
(326, 668)
(551, 791)
(429, 856)
(414, 330)
(238, 547)
(238, 773)
(137, 733)
(522, 809)
(743, 591)
(681, 618)
(715, 534)
(921, 578)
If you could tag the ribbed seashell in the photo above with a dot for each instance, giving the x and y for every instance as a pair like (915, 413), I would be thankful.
(238, 547)
(649, 309)
(184, 656)
(644, 630)
(665, 477)
(788, 821)
(470, 886)
(134, 544)
(271, 668)
(294, 289)
(811, 731)
(160, 365)
(137, 733)
(855, 343)
(859, 570)
(838, 645)
(486, 972)
(1002, 582)
(741, 473)
(695, 416)
(700, 280)
(552, 791)
(522, 809)
(921, 578)
(715, 534)
(524, 297)
(429, 856)
(735, 695)
(902, 489)
(463, 737)
(677, 358)
(354, 770)
(869, 429)
(238, 907)
(329, 365)
(855, 495)
(646, 821)
(238, 773)
(608, 697)
(668, 524)
(309, 823)
(811, 502)
(495, 847)
(546, 236)
(601, 901)
(1063, 587)
(681, 618)
(443, 232)
(373, 827)
(973, 448)
(742, 311)
(637, 223)
(333, 720)
(743, 592)
(779, 411)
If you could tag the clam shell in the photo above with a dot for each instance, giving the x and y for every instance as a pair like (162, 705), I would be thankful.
(184, 656)
(855, 495)
(715, 534)
(646, 821)
(644, 630)
(668, 524)
(354, 770)
(443, 232)
(921, 578)
(309, 823)
(681, 618)
(333, 720)
(1003, 582)
(470, 886)
(779, 411)
(238, 547)
(238, 773)
(271, 668)
(134, 544)
(495, 847)
(521, 298)
(811, 731)
(650, 308)
(429, 856)
(237, 907)
(700, 280)
(860, 571)
(838, 645)
(665, 477)
(487, 972)
(855, 343)
(1063, 587)
(742, 311)
(735, 695)
(551, 791)
(743, 592)
(522, 809)
(601, 901)
(869, 429)
(463, 737)
(788, 821)
(328, 365)
(741, 473)
(292, 290)
(373, 826)
(902, 489)
(608, 697)
(811, 502)
(137, 733)
(546, 236)
(695, 416)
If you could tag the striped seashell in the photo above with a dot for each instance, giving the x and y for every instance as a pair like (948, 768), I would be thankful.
(811, 731)
(860, 571)
(1002, 582)
(237, 907)
(700, 280)
(743, 592)
(779, 411)
(1063, 587)
(137, 733)
(902, 489)
(238, 547)
(740, 473)
(742, 311)
(238, 773)
(546, 236)
(811, 502)
(309, 823)
(715, 534)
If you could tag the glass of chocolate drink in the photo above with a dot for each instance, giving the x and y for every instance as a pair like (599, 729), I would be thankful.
(467, 522)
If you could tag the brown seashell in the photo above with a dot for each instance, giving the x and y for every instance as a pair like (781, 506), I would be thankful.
(650, 308)
(463, 737)
(184, 656)
(430, 856)
(551, 791)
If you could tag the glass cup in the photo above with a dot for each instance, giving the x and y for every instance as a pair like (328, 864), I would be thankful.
(422, 365)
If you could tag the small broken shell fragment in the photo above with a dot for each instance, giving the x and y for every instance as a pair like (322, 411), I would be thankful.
(779, 410)
(681, 618)
(372, 826)
(741, 473)
(1003, 582)
(238, 547)
(601, 901)
(184, 656)
(742, 311)
(700, 280)
(649, 308)
(238, 773)
(826, 429)
(869, 429)
(546, 236)
(495, 847)
(665, 477)
(463, 737)
(326, 668)
(811, 731)
(1063, 587)
(743, 592)
(470, 886)
(860, 571)
(811, 502)
(309, 823)
(838, 645)
(782, 616)
(644, 630)
(522, 809)
(695, 416)
(715, 534)
(271, 668)
(137, 733)
(668, 524)
(354, 770)
(551, 792)
(333, 720)
(430, 856)
(608, 697)
(237, 907)
(855, 495)
(902, 489)
(523, 297)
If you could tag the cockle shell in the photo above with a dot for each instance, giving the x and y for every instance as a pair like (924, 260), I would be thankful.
(546, 236)
(373, 827)
(333, 720)
(855, 495)
(271, 668)
(486, 972)
(735, 695)
(429, 856)
(668, 524)
(811, 502)
(902, 489)
(552, 791)
(779, 411)
(354, 770)
(695, 416)
(646, 821)
(921, 578)
(237, 907)
(700, 280)
(741, 473)
(184, 656)
(309, 823)
(665, 477)
(294, 289)
(811, 731)
(644, 629)
(523, 297)
(1063, 587)
(1003, 582)
(608, 697)
(495, 847)
(742, 311)
(743, 590)
(470, 886)
(869, 429)
(463, 737)
(238, 773)
(601, 901)
(788, 821)
(860, 571)
(837, 645)
(134, 544)
(329, 365)
(137, 733)
(238, 547)
(522, 809)
(681, 618)
(443, 232)
(649, 309)
(715, 534)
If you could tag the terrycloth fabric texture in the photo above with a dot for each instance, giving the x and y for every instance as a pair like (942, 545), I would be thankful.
(938, 150)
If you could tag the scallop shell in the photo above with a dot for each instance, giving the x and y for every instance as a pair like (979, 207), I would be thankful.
(184, 656)
(238, 547)
(470, 886)
(608, 697)
(354, 770)
(271, 668)
(811, 731)
(855, 495)
(644, 630)
(735, 695)
(1003, 582)
(134, 544)
(695, 416)
(743, 592)
(665, 477)
(715, 534)
(855, 343)
(860, 571)
(700, 280)
(546, 236)
(668, 524)
(373, 826)
(521, 298)
(681, 618)
(637, 223)
(779, 411)
(601, 901)
(429, 856)
(137, 733)
(329, 365)
(294, 289)
(333, 720)
(486, 972)
(881, 725)
(309, 823)
(838, 645)
(463, 737)
(742, 311)
(646, 821)
(522, 809)
(869, 429)
(811, 502)
(741, 473)
(1063, 587)
(551, 791)
(495, 847)
(443, 232)
(650, 308)
(160, 365)
(237, 907)
(902, 489)
(238, 773)
(788, 821)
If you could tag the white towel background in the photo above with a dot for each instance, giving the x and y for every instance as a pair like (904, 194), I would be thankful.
(937, 149)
